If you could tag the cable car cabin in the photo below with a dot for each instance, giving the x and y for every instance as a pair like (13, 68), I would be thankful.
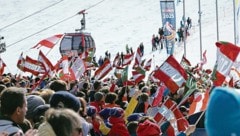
(73, 44)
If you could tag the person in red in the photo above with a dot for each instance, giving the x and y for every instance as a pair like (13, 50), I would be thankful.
(99, 101)
(110, 100)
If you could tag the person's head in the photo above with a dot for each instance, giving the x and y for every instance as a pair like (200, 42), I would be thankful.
(61, 122)
(143, 97)
(99, 96)
(58, 85)
(153, 89)
(64, 99)
(223, 114)
(33, 102)
(132, 127)
(97, 85)
(46, 95)
(148, 127)
(111, 97)
(14, 104)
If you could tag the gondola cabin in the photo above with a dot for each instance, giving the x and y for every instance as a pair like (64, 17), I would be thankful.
(73, 44)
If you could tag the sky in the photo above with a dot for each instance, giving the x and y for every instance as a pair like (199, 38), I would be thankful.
(112, 24)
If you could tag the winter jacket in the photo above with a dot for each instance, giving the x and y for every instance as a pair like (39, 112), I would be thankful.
(6, 125)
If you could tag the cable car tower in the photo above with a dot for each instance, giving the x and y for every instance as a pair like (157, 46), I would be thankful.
(73, 44)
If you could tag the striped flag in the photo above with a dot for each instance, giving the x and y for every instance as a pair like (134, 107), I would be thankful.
(199, 103)
(171, 74)
(138, 58)
(49, 42)
(103, 70)
(147, 66)
(169, 111)
(78, 67)
(226, 56)
(2, 66)
(127, 59)
(46, 62)
(137, 76)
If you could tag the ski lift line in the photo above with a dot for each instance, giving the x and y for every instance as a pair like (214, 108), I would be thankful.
(30, 15)
(40, 31)
(52, 25)
(95, 4)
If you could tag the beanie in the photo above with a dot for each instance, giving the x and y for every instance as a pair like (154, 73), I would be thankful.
(148, 128)
(40, 110)
(114, 112)
(33, 101)
(67, 99)
(135, 116)
(91, 110)
(223, 112)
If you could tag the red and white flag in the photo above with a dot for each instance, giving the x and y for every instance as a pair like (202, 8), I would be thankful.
(158, 95)
(138, 58)
(48, 42)
(2, 66)
(199, 103)
(137, 76)
(64, 64)
(20, 61)
(33, 66)
(127, 59)
(117, 61)
(169, 111)
(226, 56)
(153, 79)
(148, 64)
(204, 60)
(84, 55)
(185, 63)
(103, 70)
(78, 67)
(171, 74)
(45, 61)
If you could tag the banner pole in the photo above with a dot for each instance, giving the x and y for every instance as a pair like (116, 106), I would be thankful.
(217, 20)
(234, 16)
(200, 28)
(184, 39)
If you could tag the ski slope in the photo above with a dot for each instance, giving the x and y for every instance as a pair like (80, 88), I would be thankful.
(112, 23)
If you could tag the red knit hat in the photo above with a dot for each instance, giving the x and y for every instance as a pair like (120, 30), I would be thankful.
(148, 128)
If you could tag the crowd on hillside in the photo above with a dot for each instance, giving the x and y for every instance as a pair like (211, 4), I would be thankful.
(32, 106)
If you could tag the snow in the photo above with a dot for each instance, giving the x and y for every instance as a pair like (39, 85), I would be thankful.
(113, 24)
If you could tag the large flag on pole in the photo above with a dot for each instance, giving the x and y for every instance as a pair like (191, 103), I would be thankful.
(227, 54)
(171, 74)
(103, 70)
(49, 42)
(2, 66)
(237, 10)
(169, 23)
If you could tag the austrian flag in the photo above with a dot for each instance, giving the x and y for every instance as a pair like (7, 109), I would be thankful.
(49, 42)
(103, 70)
(199, 103)
(171, 74)
(226, 56)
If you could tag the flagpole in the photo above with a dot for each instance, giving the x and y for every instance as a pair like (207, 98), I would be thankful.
(217, 20)
(200, 28)
(184, 39)
(234, 16)
(199, 118)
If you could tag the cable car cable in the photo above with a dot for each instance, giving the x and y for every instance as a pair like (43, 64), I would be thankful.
(30, 15)
(53, 25)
